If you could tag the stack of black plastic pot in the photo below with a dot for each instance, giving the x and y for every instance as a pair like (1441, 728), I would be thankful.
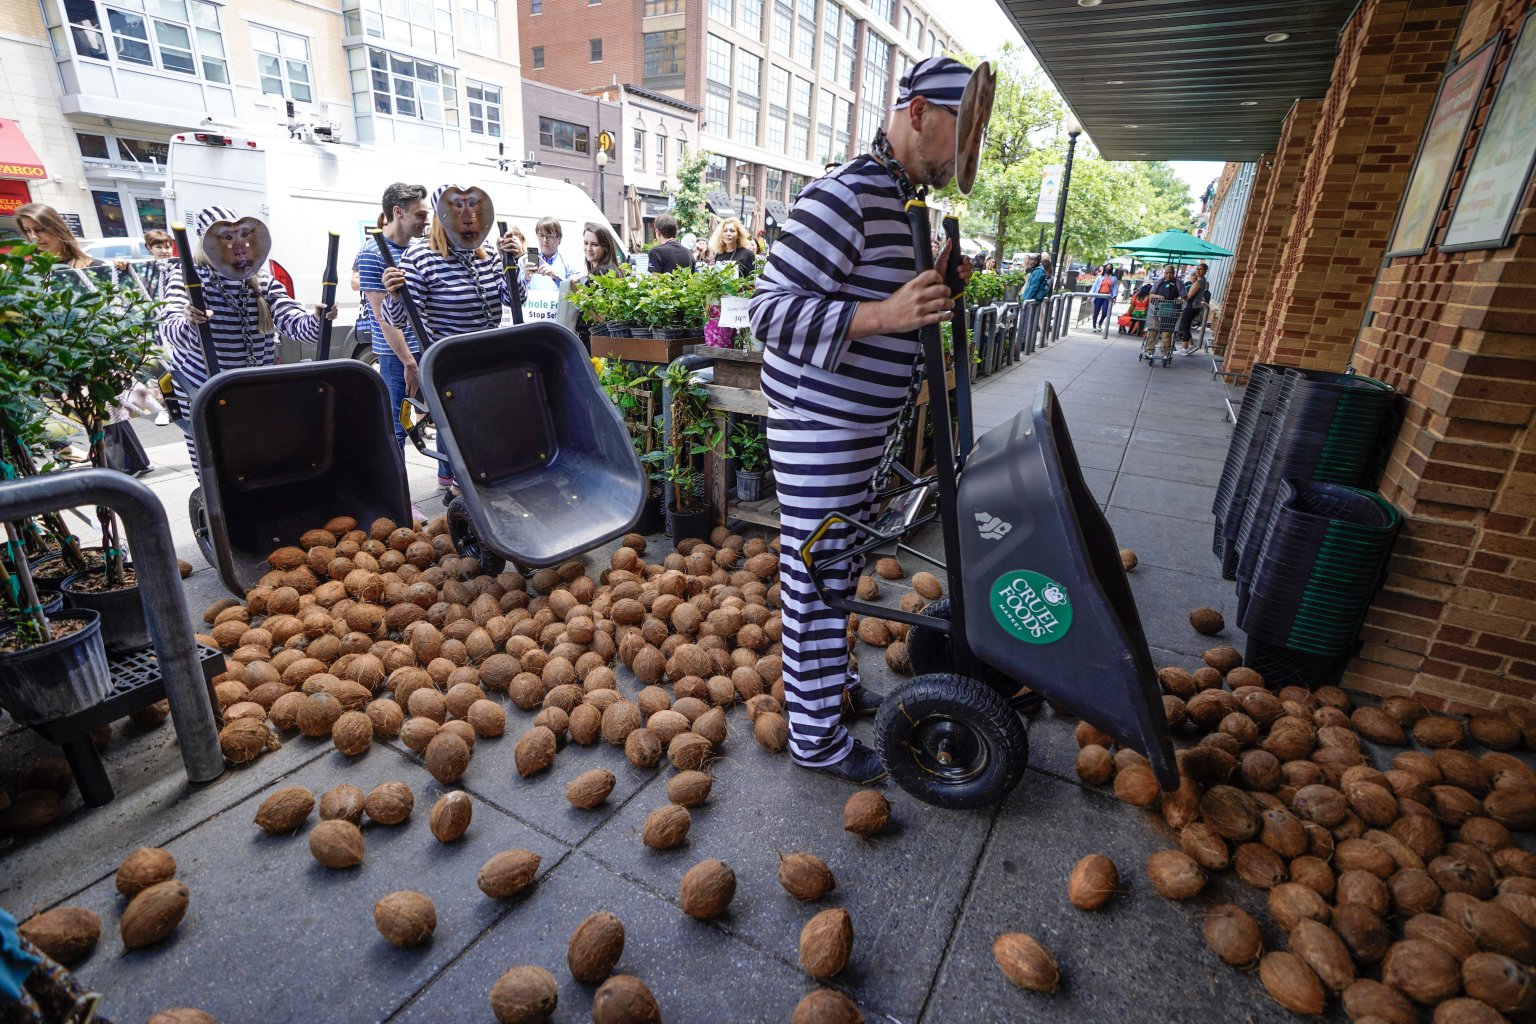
(1307, 559)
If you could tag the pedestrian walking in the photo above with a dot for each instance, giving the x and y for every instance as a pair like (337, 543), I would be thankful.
(395, 347)
(668, 254)
(838, 309)
(1103, 295)
(1196, 294)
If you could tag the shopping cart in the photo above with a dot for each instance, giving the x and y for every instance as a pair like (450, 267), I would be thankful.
(1162, 321)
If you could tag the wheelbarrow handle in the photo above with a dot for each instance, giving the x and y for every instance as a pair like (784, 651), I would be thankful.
(509, 268)
(956, 284)
(193, 283)
(411, 312)
(327, 296)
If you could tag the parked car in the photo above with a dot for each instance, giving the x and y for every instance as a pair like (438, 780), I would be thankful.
(115, 248)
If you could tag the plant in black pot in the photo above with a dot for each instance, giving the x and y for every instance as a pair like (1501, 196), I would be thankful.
(691, 433)
(51, 663)
(750, 450)
(633, 389)
(98, 342)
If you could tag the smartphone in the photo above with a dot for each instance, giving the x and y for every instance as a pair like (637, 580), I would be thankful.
(533, 260)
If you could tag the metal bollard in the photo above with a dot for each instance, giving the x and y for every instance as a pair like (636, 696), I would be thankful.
(165, 602)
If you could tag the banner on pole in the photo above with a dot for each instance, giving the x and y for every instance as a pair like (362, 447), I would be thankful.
(1050, 192)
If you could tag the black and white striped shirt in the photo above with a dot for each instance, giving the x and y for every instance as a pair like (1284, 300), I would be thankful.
(455, 295)
(235, 318)
(847, 241)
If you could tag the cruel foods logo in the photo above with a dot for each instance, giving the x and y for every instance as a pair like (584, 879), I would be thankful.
(1031, 607)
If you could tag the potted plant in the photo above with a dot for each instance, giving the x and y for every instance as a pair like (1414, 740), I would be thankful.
(691, 432)
(632, 388)
(749, 447)
(97, 342)
(52, 663)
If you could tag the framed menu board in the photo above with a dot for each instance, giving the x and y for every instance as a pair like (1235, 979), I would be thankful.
(1439, 150)
(1500, 172)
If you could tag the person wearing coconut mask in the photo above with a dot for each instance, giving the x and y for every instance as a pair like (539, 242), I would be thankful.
(457, 284)
(246, 305)
(838, 308)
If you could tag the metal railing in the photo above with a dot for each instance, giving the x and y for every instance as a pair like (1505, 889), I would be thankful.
(159, 581)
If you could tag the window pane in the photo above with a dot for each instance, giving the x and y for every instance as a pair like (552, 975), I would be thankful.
(205, 15)
(295, 46)
(216, 70)
(268, 67)
(93, 147)
(298, 72)
(174, 9)
(129, 25)
(263, 39)
(301, 93)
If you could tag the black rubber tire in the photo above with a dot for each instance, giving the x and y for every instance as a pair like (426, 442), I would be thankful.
(467, 542)
(986, 738)
(197, 512)
(928, 649)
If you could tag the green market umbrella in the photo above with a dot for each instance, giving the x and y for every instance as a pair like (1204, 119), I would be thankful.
(1166, 245)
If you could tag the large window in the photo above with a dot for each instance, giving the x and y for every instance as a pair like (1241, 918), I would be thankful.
(535, 6)
(805, 35)
(562, 135)
(661, 149)
(876, 92)
(746, 120)
(404, 87)
(174, 35)
(849, 57)
(749, 71)
(717, 109)
(797, 183)
(655, 7)
(538, 58)
(717, 61)
(783, 28)
(282, 64)
(134, 151)
(718, 172)
(595, 51)
(749, 17)
(773, 186)
(720, 10)
(829, 45)
(424, 25)
(481, 32)
(778, 108)
(800, 124)
(664, 57)
(841, 124)
(639, 155)
(884, 9)
(484, 108)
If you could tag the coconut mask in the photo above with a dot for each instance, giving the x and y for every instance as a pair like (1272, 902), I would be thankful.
(466, 215)
(237, 250)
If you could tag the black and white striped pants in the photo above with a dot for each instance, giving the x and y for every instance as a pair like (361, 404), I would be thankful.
(817, 470)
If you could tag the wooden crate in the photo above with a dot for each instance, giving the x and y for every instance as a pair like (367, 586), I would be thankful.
(639, 350)
(734, 368)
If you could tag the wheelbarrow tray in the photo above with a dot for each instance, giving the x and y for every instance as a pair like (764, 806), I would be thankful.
(1046, 599)
(282, 449)
(541, 456)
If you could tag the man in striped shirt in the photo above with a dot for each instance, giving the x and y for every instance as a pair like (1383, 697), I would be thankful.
(838, 308)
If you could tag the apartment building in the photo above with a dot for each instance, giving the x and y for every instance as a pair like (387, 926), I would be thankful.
(785, 86)
(92, 89)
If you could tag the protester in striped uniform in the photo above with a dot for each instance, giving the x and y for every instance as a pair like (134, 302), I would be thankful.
(245, 304)
(455, 282)
(838, 308)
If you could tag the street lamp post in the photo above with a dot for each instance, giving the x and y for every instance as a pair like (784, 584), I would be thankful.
(1074, 129)
(741, 188)
(602, 161)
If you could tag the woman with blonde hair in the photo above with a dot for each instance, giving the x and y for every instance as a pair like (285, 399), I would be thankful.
(44, 228)
(731, 244)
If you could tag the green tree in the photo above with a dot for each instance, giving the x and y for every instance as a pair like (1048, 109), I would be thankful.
(688, 198)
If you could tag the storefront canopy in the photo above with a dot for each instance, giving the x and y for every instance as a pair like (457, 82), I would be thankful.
(1183, 79)
(17, 160)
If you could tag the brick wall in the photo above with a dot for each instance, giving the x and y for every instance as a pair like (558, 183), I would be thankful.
(1456, 621)
(1391, 55)
(1263, 245)
(1228, 313)
(566, 28)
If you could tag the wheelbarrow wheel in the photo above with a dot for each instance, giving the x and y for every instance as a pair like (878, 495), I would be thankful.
(930, 653)
(197, 512)
(467, 542)
(951, 741)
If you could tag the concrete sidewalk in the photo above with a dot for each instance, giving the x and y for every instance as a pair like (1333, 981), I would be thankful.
(272, 936)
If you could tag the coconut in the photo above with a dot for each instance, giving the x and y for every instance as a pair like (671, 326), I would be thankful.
(666, 826)
(586, 723)
(535, 750)
(1495, 731)
(643, 748)
(344, 802)
(707, 889)
(1493, 927)
(825, 942)
(1377, 726)
(688, 750)
(1439, 733)
(1291, 983)
(826, 1006)
(595, 947)
(246, 739)
(1231, 812)
(451, 816)
(524, 995)
(689, 788)
(1259, 771)
(1363, 855)
(1128, 559)
(624, 1000)
(1315, 874)
(1207, 849)
(389, 803)
(711, 725)
(1366, 999)
(447, 756)
(1500, 982)
(1136, 785)
(866, 813)
(1421, 970)
(1093, 881)
(1175, 875)
(620, 719)
(1025, 962)
(153, 914)
(337, 843)
(771, 731)
(1322, 804)
(1515, 808)
(508, 873)
(1467, 1011)
(1292, 902)
(1413, 892)
(64, 934)
(1095, 765)
(1207, 621)
(1322, 950)
(1362, 931)
(284, 811)
(417, 733)
(1234, 936)
(1177, 682)
(405, 918)
(143, 868)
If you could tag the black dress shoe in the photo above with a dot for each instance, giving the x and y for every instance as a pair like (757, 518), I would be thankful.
(861, 767)
(858, 699)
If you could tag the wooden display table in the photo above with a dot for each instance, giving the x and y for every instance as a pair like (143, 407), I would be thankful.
(639, 350)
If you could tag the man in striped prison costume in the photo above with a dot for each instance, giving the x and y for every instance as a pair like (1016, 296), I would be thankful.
(838, 308)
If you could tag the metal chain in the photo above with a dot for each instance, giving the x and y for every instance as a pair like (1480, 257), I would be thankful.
(465, 258)
(241, 313)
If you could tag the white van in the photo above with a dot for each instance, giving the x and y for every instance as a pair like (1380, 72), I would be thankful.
(304, 189)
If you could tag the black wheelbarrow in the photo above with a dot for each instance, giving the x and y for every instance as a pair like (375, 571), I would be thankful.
(543, 462)
(1036, 598)
(282, 449)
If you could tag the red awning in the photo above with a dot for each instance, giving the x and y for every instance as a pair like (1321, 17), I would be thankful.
(17, 160)
(13, 196)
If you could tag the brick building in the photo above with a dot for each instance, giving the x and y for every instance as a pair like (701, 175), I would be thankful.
(1456, 620)
(785, 86)
(95, 87)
